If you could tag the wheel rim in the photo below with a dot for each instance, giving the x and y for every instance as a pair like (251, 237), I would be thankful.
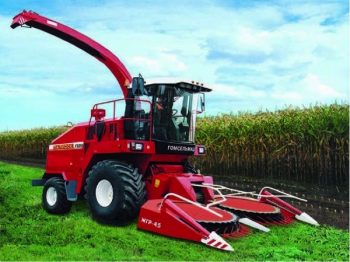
(51, 196)
(104, 193)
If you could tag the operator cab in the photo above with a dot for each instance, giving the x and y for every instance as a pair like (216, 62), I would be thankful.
(174, 109)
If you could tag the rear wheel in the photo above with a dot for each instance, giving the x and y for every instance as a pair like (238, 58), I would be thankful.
(54, 197)
(115, 192)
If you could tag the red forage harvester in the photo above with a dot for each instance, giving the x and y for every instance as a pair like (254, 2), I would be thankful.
(131, 159)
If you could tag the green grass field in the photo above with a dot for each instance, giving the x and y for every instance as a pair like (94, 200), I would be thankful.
(27, 232)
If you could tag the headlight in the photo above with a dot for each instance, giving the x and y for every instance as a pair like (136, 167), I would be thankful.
(201, 150)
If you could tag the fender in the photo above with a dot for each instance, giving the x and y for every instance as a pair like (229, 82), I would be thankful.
(102, 54)
(70, 185)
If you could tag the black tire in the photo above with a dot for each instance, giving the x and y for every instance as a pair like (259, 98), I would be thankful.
(128, 188)
(61, 205)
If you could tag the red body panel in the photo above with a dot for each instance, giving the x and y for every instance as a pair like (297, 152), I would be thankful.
(73, 153)
(163, 220)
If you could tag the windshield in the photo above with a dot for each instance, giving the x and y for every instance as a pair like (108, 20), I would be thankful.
(174, 114)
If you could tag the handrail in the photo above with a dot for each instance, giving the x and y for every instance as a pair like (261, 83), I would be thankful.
(286, 195)
(252, 193)
(121, 99)
(95, 106)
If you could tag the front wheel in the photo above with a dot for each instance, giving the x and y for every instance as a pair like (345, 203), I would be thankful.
(115, 192)
(54, 197)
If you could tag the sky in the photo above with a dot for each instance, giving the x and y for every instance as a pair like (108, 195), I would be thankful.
(255, 55)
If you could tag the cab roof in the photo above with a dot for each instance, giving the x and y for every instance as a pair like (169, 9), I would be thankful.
(191, 86)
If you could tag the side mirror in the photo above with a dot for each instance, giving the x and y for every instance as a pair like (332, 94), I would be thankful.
(201, 103)
(98, 114)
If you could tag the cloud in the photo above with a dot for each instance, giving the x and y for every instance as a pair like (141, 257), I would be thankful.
(316, 87)
(159, 64)
(239, 58)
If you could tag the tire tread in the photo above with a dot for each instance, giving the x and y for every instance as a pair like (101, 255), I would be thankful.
(131, 185)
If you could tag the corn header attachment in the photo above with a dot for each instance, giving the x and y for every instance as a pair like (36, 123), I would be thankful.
(225, 216)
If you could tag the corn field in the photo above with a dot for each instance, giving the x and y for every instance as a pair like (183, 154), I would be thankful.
(309, 146)
(31, 143)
